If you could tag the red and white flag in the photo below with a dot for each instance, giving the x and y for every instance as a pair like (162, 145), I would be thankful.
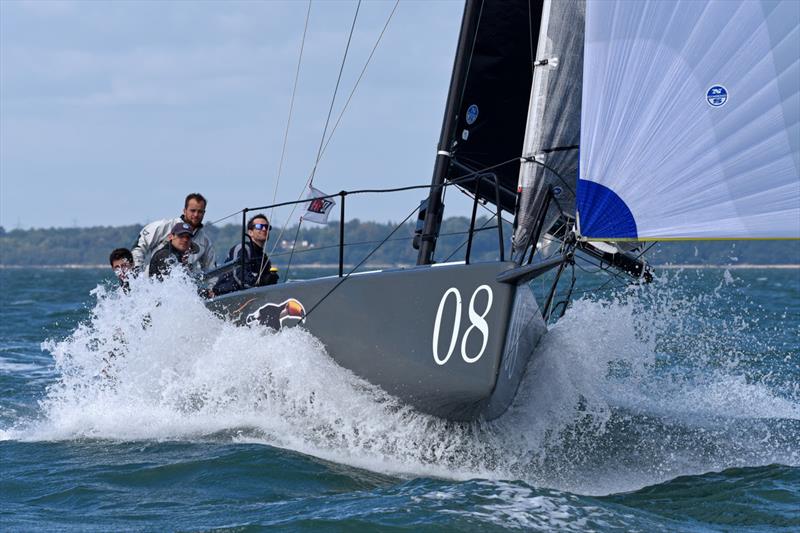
(317, 208)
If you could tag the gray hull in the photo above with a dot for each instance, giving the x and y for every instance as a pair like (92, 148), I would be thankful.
(449, 340)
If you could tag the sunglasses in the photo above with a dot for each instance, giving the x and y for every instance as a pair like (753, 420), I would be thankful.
(260, 226)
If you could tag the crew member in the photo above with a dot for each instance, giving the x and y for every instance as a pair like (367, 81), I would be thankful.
(178, 250)
(154, 236)
(258, 268)
(121, 261)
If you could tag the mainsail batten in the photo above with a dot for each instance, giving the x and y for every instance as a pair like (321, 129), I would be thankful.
(690, 122)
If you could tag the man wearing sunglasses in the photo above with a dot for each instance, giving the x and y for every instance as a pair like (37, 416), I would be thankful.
(154, 236)
(258, 268)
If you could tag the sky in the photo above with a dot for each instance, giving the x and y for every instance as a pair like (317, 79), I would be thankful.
(112, 111)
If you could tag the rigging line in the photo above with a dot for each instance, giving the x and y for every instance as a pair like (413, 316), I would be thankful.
(558, 205)
(646, 249)
(530, 159)
(346, 276)
(224, 218)
(567, 299)
(291, 107)
(360, 191)
(544, 319)
(594, 289)
(358, 81)
(347, 103)
(286, 137)
(613, 275)
(364, 243)
(444, 196)
(600, 268)
(335, 91)
(609, 280)
(485, 208)
(493, 213)
(465, 242)
(530, 37)
(454, 181)
(467, 163)
(483, 170)
(553, 238)
(590, 271)
(294, 243)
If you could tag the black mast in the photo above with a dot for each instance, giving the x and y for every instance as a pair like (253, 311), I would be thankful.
(469, 25)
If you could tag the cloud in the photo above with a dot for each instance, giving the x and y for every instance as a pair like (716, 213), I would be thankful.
(102, 95)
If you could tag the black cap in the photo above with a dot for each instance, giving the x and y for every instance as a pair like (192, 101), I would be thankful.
(182, 228)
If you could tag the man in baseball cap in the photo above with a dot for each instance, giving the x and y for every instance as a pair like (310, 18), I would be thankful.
(153, 236)
(176, 252)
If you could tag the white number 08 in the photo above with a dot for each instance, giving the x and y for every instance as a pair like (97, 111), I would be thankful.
(477, 321)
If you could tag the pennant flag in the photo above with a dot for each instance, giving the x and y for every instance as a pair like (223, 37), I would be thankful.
(317, 208)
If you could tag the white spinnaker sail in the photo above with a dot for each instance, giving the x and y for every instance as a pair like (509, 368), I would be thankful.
(690, 120)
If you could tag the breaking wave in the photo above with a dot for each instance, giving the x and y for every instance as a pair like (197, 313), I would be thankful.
(628, 391)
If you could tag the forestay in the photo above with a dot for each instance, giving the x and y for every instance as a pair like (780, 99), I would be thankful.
(690, 120)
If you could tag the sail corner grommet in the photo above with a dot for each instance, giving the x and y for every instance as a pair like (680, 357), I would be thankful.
(550, 62)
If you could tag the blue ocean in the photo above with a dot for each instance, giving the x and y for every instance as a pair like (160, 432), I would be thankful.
(669, 407)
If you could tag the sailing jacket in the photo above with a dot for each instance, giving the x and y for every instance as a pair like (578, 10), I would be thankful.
(153, 237)
(164, 260)
(257, 269)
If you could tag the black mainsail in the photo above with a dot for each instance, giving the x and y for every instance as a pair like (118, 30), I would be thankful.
(484, 122)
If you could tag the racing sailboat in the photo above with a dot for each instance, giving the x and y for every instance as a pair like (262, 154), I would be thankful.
(622, 122)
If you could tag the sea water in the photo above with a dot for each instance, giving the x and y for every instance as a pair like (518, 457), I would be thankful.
(669, 407)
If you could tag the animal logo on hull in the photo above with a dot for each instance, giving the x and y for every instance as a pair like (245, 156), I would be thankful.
(273, 315)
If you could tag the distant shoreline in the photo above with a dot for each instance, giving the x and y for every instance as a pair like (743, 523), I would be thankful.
(747, 266)
(744, 266)
(94, 267)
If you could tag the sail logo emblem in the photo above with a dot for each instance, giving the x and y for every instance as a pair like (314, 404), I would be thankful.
(717, 96)
(319, 205)
(472, 114)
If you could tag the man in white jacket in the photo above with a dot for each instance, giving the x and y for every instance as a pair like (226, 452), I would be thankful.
(154, 237)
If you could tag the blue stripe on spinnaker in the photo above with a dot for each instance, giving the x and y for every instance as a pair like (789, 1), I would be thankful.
(603, 214)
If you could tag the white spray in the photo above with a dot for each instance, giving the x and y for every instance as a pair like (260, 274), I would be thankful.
(623, 393)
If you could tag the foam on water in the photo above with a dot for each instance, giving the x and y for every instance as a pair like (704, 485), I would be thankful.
(624, 392)
(653, 383)
(516, 506)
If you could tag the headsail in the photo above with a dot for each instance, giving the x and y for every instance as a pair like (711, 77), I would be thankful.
(691, 120)
(553, 125)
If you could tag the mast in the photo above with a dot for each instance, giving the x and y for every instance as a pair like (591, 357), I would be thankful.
(469, 25)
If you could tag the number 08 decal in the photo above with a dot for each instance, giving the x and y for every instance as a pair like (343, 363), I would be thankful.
(477, 322)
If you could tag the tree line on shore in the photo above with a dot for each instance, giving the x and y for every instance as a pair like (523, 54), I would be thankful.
(317, 244)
